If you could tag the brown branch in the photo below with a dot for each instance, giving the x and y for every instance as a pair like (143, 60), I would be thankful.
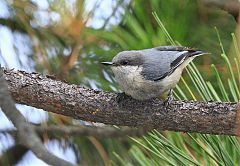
(13, 155)
(54, 131)
(26, 134)
(90, 131)
(97, 106)
(230, 6)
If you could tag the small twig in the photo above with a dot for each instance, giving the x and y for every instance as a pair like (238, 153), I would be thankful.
(230, 6)
(85, 131)
(13, 155)
(26, 134)
(113, 13)
(91, 131)
(68, 131)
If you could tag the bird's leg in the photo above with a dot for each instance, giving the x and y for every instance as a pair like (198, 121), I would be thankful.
(169, 99)
(121, 96)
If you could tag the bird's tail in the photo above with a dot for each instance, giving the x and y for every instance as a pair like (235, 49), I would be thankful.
(198, 53)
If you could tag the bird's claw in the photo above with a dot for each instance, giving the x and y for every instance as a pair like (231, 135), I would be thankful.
(169, 99)
(121, 97)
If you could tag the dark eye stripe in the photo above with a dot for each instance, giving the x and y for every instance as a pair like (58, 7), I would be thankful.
(125, 62)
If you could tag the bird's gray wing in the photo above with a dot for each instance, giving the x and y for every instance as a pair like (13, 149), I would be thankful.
(162, 61)
(174, 48)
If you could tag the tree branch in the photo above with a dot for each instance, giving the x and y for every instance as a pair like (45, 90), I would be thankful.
(54, 130)
(97, 106)
(26, 134)
(13, 155)
(230, 6)
(90, 131)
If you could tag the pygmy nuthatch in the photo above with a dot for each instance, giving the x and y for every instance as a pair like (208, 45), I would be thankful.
(146, 74)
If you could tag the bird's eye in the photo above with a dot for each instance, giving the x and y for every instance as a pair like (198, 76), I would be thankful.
(125, 62)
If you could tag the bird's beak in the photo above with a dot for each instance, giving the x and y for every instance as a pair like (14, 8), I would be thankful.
(107, 63)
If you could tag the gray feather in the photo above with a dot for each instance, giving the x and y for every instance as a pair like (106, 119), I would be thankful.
(162, 61)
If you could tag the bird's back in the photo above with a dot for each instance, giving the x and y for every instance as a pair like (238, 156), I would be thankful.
(158, 64)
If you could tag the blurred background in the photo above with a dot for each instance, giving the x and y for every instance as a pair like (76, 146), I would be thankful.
(69, 39)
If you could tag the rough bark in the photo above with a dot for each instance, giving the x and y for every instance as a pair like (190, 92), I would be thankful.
(25, 133)
(97, 106)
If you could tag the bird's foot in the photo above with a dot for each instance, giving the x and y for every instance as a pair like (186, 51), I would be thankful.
(121, 96)
(169, 99)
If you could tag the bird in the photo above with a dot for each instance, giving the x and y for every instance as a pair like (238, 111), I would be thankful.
(149, 73)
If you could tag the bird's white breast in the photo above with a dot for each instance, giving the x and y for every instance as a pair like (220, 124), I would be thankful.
(133, 83)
